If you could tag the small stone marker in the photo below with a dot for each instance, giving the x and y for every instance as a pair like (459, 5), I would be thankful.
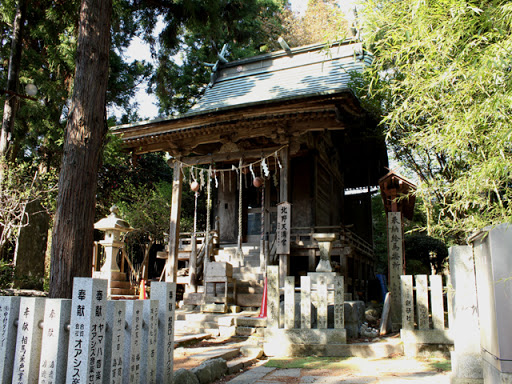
(28, 341)
(436, 300)
(53, 365)
(273, 296)
(133, 338)
(87, 331)
(114, 342)
(322, 302)
(9, 311)
(289, 302)
(149, 342)
(407, 302)
(166, 294)
(339, 307)
(422, 301)
(305, 302)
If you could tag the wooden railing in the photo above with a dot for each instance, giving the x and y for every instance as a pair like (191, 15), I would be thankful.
(303, 236)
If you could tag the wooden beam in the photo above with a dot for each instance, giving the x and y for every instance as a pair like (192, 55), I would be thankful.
(229, 156)
(171, 274)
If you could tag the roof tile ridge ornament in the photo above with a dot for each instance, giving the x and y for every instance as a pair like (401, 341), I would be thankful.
(215, 67)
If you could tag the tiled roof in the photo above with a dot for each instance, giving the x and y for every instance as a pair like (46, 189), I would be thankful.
(301, 72)
(279, 76)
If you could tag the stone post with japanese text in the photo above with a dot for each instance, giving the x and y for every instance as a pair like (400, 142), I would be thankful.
(87, 331)
(396, 266)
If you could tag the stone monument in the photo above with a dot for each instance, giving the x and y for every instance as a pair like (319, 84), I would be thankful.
(399, 202)
(466, 357)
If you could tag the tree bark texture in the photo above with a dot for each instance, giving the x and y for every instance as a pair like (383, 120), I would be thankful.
(72, 239)
(13, 74)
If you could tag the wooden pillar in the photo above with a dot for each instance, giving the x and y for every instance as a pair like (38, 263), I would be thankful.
(174, 226)
(284, 195)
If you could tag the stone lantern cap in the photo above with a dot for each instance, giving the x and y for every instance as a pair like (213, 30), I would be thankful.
(113, 222)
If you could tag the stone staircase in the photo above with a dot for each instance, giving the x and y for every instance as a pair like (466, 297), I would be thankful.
(120, 288)
(246, 271)
(244, 326)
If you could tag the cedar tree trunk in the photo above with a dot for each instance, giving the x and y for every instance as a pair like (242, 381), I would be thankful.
(11, 101)
(72, 240)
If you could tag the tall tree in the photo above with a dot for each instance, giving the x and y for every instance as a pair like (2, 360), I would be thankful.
(193, 33)
(441, 82)
(11, 102)
(73, 230)
(322, 21)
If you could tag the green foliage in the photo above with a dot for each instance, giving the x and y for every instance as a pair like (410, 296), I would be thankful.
(194, 33)
(48, 61)
(148, 209)
(422, 252)
(323, 21)
(22, 184)
(442, 77)
(6, 274)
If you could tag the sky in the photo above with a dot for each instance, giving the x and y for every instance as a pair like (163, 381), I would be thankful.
(138, 50)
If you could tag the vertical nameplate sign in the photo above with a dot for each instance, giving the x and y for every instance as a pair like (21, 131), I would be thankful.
(52, 368)
(133, 336)
(339, 299)
(284, 216)
(165, 293)
(149, 342)
(9, 310)
(395, 249)
(28, 341)
(114, 342)
(87, 331)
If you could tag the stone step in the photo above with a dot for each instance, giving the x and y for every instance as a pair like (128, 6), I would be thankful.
(119, 276)
(239, 363)
(254, 322)
(180, 341)
(248, 276)
(225, 353)
(252, 288)
(187, 326)
(249, 299)
(197, 317)
(214, 308)
(384, 349)
(120, 284)
(122, 291)
(193, 298)
(124, 297)
(249, 331)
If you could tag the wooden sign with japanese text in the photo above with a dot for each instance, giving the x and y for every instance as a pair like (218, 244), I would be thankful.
(284, 218)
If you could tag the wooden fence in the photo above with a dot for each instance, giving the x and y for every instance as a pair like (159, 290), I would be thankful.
(425, 315)
(307, 334)
(88, 339)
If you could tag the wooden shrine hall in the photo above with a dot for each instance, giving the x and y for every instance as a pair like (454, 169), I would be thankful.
(279, 130)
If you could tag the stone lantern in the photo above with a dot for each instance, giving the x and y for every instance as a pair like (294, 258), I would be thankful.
(113, 226)
(325, 245)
